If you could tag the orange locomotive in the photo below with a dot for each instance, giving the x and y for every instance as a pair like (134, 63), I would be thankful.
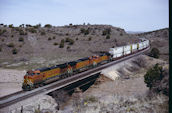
(39, 77)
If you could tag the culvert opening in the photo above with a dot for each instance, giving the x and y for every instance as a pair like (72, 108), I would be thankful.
(63, 95)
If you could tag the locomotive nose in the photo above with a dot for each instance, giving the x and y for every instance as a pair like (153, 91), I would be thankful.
(25, 77)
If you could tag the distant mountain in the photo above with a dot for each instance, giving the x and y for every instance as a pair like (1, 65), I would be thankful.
(134, 32)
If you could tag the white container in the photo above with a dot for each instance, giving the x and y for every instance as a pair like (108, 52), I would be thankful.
(147, 43)
(134, 47)
(127, 49)
(141, 45)
(116, 52)
(144, 44)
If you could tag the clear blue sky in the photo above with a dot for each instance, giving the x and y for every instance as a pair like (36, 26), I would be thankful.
(131, 15)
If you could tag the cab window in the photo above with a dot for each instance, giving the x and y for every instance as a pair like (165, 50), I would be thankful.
(27, 73)
(37, 73)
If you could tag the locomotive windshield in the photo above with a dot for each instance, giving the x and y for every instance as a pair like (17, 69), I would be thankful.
(30, 74)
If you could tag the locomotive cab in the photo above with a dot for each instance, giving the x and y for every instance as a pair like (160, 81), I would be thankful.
(29, 79)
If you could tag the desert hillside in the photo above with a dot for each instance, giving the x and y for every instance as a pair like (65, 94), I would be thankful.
(120, 88)
(40, 46)
(29, 47)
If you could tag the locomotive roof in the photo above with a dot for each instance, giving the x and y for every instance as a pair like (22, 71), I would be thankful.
(53, 67)
(43, 69)
(62, 65)
(82, 59)
(72, 63)
(106, 53)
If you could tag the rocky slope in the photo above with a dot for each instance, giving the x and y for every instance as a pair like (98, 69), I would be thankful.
(40, 46)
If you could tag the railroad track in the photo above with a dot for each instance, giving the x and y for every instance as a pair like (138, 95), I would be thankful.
(21, 95)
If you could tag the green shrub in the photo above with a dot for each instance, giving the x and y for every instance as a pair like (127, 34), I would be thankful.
(11, 26)
(62, 41)
(28, 25)
(21, 39)
(10, 45)
(90, 99)
(152, 75)
(49, 38)
(17, 28)
(20, 46)
(32, 30)
(154, 53)
(89, 39)
(106, 31)
(14, 51)
(61, 44)
(21, 32)
(22, 25)
(67, 40)
(43, 33)
(37, 26)
(68, 47)
(71, 42)
(84, 31)
(108, 37)
(55, 43)
(48, 25)
(4, 30)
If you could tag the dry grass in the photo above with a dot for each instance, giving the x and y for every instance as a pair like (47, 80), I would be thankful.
(140, 61)
(122, 104)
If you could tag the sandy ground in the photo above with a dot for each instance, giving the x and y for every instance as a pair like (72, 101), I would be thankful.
(11, 81)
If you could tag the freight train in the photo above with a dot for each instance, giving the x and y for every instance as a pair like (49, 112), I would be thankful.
(39, 77)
